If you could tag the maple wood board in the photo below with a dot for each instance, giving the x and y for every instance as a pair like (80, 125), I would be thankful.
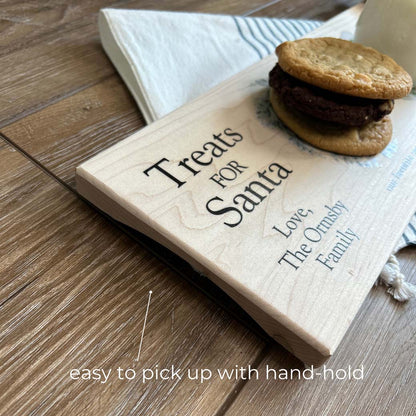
(296, 235)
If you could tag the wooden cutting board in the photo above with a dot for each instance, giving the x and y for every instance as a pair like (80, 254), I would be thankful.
(297, 236)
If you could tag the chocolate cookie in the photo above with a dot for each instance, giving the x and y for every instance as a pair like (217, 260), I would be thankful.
(327, 105)
(354, 141)
(344, 67)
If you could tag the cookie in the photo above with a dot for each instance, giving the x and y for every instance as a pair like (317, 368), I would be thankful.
(353, 141)
(344, 67)
(327, 105)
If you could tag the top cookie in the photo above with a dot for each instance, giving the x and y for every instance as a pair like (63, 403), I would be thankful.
(344, 67)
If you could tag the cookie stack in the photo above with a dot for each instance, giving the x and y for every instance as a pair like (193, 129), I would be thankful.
(336, 94)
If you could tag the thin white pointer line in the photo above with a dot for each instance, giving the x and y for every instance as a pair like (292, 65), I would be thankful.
(144, 325)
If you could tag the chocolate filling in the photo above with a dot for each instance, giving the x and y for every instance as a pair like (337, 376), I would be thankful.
(327, 105)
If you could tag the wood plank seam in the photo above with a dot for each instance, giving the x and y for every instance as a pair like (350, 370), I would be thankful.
(16, 293)
(41, 106)
(260, 8)
(34, 161)
(257, 358)
(239, 315)
(57, 29)
(222, 411)
(52, 101)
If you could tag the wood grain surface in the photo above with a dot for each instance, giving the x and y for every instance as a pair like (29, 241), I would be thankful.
(73, 295)
(90, 120)
(65, 299)
(66, 56)
(318, 9)
(389, 365)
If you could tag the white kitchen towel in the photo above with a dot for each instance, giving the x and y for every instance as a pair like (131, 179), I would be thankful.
(169, 58)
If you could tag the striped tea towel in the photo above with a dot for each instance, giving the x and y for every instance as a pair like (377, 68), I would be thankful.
(169, 58)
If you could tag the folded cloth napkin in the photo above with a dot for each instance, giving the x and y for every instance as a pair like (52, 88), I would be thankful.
(169, 58)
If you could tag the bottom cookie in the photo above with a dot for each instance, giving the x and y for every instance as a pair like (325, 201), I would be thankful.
(367, 140)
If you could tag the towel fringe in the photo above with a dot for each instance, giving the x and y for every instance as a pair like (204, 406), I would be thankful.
(392, 277)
